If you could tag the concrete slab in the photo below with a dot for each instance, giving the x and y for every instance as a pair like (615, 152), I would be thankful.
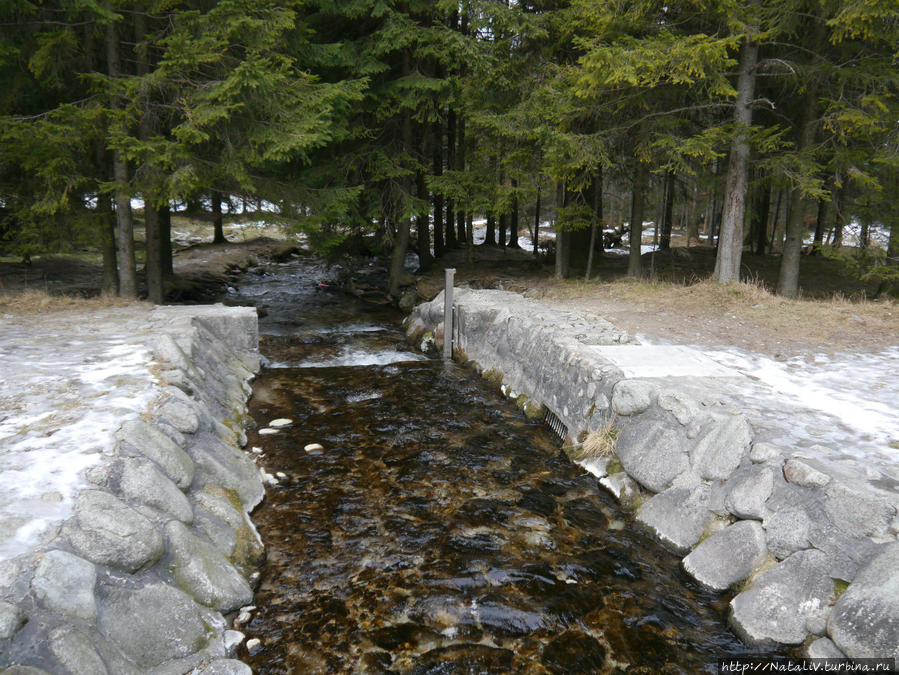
(662, 361)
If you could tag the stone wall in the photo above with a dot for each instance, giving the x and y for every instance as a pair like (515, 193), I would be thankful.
(812, 558)
(160, 545)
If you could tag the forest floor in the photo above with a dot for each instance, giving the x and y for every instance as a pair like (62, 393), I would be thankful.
(677, 303)
(62, 281)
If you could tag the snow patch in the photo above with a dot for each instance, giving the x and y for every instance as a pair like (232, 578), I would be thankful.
(63, 400)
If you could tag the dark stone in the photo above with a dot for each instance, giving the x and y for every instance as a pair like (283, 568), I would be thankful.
(574, 652)
(464, 658)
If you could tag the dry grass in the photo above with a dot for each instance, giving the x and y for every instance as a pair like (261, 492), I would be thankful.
(598, 444)
(601, 443)
(31, 302)
(744, 313)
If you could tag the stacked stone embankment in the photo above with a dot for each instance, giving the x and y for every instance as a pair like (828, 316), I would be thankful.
(813, 558)
(159, 546)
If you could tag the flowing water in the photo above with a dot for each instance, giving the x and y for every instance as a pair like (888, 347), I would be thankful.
(438, 531)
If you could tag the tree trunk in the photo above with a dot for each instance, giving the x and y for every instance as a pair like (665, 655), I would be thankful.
(152, 252)
(106, 219)
(398, 257)
(788, 278)
(893, 246)
(597, 222)
(563, 240)
(665, 237)
(124, 231)
(820, 225)
(152, 262)
(107, 224)
(692, 223)
(439, 242)
(217, 222)
(459, 165)
(503, 220)
(469, 237)
(490, 235)
(638, 200)
(165, 242)
(450, 165)
(124, 217)
(776, 233)
(563, 253)
(760, 215)
(513, 219)
(422, 227)
(536, 236)
(401, 239)
(836, 238)
(730, 240)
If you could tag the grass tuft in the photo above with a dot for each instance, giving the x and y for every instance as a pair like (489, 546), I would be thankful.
(601, 443)
(31, 302)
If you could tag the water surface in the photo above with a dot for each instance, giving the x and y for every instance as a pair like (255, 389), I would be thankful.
(439, 531)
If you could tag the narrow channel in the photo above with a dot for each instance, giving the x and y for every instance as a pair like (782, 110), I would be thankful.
(438, 531)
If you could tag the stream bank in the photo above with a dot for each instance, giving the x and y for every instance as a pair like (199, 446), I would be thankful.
(808, 544)
(126, 534)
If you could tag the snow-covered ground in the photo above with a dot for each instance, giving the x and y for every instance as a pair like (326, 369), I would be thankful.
(67, 382)
(878, 235)
(235, 232)
(548, 235)
(839, 409)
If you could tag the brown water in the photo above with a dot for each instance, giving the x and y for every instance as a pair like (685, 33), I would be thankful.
(439, 531)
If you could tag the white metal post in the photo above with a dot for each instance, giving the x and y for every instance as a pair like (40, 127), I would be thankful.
(448, 313)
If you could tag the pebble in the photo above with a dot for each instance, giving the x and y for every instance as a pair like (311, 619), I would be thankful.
(314, 447)
(280, 423)
(252, 643)
(256, 449)
(233, 638)
(267, 431)
(281, 475)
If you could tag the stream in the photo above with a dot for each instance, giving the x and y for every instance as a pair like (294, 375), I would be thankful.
(438, 530)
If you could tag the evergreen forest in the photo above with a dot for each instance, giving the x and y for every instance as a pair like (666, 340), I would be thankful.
(393, 125)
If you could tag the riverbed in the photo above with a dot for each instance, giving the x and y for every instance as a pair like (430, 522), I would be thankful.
(437, 530)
